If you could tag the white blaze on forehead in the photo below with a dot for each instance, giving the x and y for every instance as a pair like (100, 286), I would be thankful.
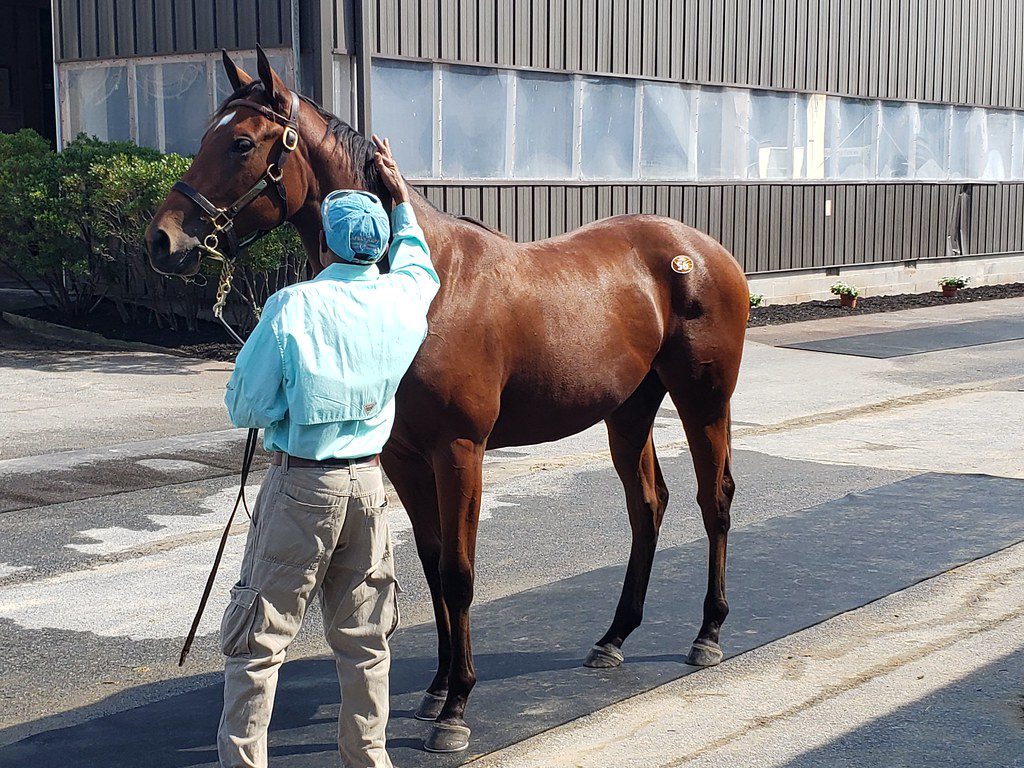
(225, 120)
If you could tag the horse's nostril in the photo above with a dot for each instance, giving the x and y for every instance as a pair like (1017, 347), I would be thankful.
(158, 243)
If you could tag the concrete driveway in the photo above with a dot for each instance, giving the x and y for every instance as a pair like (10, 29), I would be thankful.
(861, 629)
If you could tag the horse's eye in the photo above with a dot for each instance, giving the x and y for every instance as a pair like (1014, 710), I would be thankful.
(241, 146)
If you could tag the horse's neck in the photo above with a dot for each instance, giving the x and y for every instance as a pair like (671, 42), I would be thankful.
(330, 174)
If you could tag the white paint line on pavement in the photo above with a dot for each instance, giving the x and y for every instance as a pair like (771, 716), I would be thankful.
(171, 465)
(969, 433)
(765, 707)
(150, 597)
(153, 596)
(6, 569)
(108, 541)
(68, 459)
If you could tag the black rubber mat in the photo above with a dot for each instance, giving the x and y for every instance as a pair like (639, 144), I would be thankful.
(915, 341)
(785, 574)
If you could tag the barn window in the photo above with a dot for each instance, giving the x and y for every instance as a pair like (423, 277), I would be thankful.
(998, 149)
(669, 135)
(97, 102)
(474, 121)
(174, 105)
(722, 118)
(403, 110)
(777, 136)
(608, 128)
(850, 138)
(895, 140)
(544, 118)
(560, 126)
(164, 102)
(931, 143)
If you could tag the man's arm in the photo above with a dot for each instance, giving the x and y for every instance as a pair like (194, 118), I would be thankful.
(409, 255)
(255, 395)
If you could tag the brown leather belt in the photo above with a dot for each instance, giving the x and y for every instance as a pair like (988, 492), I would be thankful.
(294, 461)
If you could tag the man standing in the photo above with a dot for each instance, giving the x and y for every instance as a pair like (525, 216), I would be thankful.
(319, 373)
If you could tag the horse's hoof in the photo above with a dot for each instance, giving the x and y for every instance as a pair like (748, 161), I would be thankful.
(604, 657)
(447, 737)
(431, 705)
(704, 653)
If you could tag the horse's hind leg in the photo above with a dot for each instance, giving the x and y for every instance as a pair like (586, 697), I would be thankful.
(413, 478)
(708, 436)
(629, 435)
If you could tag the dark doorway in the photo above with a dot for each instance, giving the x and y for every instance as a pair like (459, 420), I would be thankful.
(26, 68)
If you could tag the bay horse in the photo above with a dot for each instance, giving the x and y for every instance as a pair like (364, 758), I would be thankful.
(528, 343)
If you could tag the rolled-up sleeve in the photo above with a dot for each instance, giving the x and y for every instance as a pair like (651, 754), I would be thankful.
(255, 396)
(411, 268)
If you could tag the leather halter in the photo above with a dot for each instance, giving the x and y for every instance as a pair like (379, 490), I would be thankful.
(223, 219)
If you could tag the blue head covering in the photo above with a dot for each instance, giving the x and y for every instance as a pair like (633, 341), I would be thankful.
(356, 226)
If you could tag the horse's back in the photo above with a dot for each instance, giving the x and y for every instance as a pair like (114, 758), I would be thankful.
(552, 336)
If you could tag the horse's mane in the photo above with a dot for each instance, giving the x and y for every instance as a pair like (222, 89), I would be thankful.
(360, 149)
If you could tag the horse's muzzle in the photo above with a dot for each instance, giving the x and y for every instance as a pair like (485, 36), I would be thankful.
(169, 257)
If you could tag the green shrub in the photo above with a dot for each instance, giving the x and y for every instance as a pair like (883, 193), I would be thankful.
(957, 281)
(75, 222)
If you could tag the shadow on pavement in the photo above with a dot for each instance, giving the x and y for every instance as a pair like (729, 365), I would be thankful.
(975, 721)
(786, 573)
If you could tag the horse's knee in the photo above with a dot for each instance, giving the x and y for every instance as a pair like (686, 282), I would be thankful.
(728, 487)
(714, 507)
(457, 583)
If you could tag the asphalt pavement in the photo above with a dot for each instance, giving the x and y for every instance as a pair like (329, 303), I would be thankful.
(860, 480)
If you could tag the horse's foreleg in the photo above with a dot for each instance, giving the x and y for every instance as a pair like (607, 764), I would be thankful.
(708, 439)
(414, 482)
(635, 461)
(458, 468)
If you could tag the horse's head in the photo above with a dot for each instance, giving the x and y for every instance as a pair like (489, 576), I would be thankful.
(241, 182)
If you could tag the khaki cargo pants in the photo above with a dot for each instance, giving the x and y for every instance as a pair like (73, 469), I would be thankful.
(313, 531)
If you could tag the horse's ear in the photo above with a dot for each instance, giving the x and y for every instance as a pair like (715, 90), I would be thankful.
(273, 85)
(236, 75)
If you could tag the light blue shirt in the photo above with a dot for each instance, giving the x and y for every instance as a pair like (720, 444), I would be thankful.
(320, 371)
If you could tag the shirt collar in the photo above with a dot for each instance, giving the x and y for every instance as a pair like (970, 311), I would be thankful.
(349, 272)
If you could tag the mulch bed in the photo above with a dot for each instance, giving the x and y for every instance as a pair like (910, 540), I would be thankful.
(816, 310)
(211, 341)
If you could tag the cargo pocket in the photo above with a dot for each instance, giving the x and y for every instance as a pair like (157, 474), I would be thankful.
(395, 592)
(236, 628)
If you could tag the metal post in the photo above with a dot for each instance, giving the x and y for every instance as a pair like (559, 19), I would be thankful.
(55, 45)
(364, 51)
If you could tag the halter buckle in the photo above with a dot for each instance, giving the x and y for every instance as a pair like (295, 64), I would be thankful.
(290, 139)
(274, 173)
(222, 221)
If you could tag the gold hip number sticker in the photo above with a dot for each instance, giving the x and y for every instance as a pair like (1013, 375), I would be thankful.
(682, 264)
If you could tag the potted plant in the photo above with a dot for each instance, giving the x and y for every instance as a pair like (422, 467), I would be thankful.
(951, 285)
(756, 300)
(847, 294)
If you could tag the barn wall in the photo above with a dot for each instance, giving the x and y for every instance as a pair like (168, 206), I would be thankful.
(955, 51)
(108, 29)
(768, 227)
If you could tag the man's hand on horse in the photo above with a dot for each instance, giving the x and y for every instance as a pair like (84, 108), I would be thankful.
(389, 173)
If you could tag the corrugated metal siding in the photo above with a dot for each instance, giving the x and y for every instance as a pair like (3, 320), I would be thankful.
(955, 51)
(767, 227)
(103, 29)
